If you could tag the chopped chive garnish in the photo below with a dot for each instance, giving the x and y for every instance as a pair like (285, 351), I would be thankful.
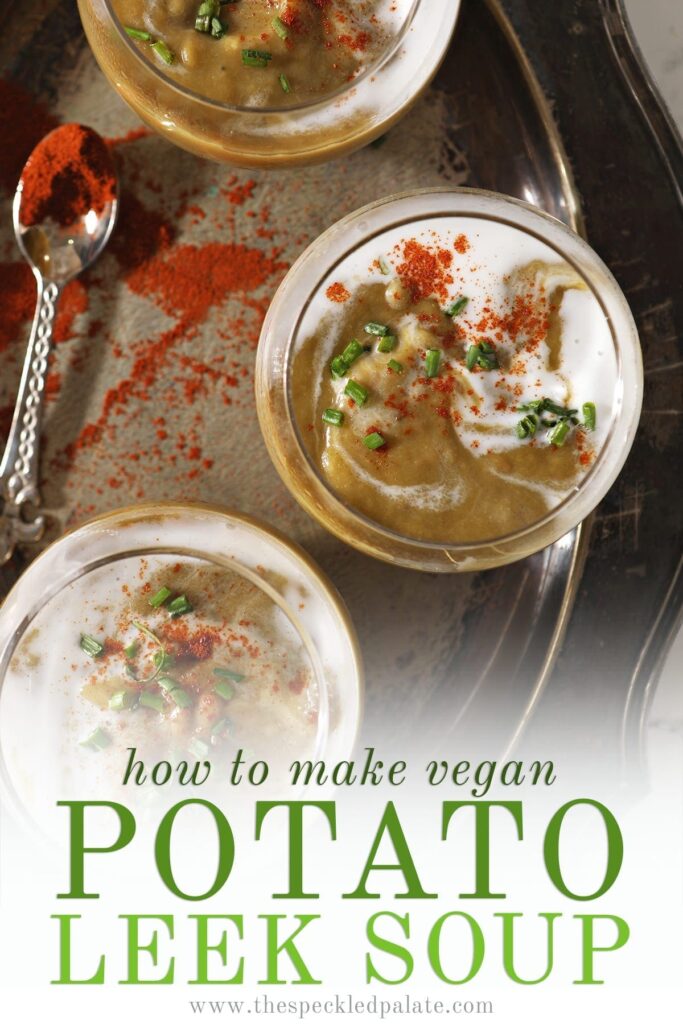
(166, 683)
(198, 747)
(373, 441)
(180, 697)
(384, 266)
(131, 650)
(374, 328)
(220, 726)
(394, 365)
(527, 426)
(175, 691)
(353, 350)
(224, 689)
(162, 50)
(158, 661)
(432, 362)
(280, 27)
(91, 646)
(541, 405)
(338, 367)
(589, 415)
(256, 58)
(162, 660)
(207, 19)
(472, 356)
(482, 355)
(457, 306)
(559, 433)
(227, 673)
(357, 392)
(121, 700)
(284, 83)
(179, 606)
(335, 417)
(97, 740)
(137, 33)
(387, 343)
(161, 597)
(152, 700)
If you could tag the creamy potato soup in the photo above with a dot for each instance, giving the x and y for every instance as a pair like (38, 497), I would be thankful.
(262, 53)
(177, 657)
(453, 380)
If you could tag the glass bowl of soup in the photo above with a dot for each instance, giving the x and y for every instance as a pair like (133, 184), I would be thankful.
(269, 82)
(449, 379)
(185, 632)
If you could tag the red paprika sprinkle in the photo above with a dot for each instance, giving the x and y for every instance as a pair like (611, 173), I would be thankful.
(68, 174)
(337, 292)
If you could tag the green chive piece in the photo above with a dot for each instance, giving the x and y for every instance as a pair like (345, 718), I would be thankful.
(161, 597)
(137, 33)
(527, 426)
(387, 343)
(284, 83)
(559, 433)
(152, 700)
(179, 606)
(378, 329)
(131, 650)
(458, 306)
(217, 30)
(97, 740)
(224, 689)
(487, 357)
(162, 660)
(394, 365)
(227, 673)
(538, 405)
(256, 58)
(220, 726)
(335, 417)
(357, 392)
(432, 362)
(167, 684)
(338, 367)
(198, 747)
(590, 416)
(353, 350)
(374, 441)
(180, 697)
(472, 356)
(162, 50)
(91, 646)
(122, 700)
(280, 27)
(384, 266)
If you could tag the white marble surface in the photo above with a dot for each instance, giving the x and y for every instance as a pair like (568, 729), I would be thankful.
(658, 25)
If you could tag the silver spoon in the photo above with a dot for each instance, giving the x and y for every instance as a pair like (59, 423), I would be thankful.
(69, 236)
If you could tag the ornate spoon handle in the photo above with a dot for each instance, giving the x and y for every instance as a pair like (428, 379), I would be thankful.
(19, 466)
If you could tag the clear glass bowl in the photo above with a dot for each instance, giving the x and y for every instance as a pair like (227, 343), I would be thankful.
(284, 322)
(303, 134)
(42, 722)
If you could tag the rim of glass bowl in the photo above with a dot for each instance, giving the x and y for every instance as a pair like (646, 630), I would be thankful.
(146, 513)
(627, 400)
(197, 97)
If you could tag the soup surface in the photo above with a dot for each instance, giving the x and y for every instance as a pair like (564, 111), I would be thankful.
(453, 380)
(175, 656)
(262, 53)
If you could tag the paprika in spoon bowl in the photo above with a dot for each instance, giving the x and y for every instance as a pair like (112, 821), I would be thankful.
(64, 213)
